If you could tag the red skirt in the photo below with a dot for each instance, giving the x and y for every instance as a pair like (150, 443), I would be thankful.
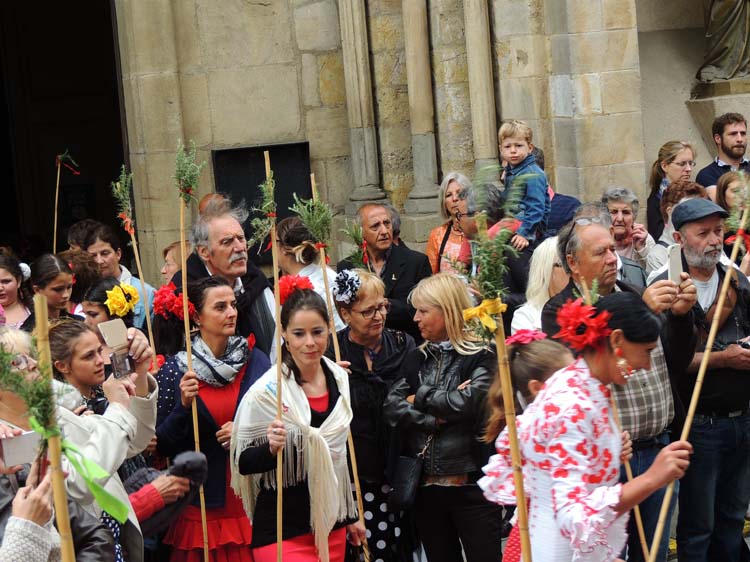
(302, 548)
(229, 533)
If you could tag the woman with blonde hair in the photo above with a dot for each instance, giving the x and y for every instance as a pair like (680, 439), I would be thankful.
(446, 241)
(546, 278)
(675, 161)
(438, 410)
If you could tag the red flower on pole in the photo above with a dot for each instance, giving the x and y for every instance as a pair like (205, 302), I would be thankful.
(580, 326)
(365, 257)
(127, 223)
(288, 284)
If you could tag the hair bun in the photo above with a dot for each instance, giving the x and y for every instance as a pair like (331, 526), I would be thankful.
(25, 271)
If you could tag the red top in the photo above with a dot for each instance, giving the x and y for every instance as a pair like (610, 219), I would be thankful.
(319, 403)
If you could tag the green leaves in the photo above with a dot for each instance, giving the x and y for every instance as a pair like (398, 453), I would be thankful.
(261, 224)
(359, 256)
(121, 194)
(317, 217)
(187, 172)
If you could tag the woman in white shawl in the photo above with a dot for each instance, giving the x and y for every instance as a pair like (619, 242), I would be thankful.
(318, 504)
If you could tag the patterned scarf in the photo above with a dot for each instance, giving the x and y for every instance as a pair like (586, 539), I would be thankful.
(216, 371)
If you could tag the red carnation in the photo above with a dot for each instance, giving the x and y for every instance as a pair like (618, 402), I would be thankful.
(290, 283)
(580, 326)
(166, 302)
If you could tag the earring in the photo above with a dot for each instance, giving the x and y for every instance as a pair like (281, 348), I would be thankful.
(622, 364)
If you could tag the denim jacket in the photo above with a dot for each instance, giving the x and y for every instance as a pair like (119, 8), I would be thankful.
(534, 206)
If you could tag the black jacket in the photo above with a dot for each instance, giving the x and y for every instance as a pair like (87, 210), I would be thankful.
(403, 270)
(253, 314)
(678, 339)
(455, 418)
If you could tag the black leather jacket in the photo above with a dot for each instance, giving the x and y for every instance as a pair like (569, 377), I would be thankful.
(454, 418)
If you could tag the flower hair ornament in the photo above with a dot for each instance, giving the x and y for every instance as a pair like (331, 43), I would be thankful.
(288, 284)
(524, 337)
(580, 326)
(121, 300)
(346, 286)
(168, 304)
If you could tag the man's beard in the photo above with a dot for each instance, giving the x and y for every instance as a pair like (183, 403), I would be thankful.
(703, 260)
(734, 151)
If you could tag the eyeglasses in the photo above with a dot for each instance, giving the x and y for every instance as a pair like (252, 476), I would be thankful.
(585, 221)
(369, 313)
(460, 215)
(684, 164)
(23, 362)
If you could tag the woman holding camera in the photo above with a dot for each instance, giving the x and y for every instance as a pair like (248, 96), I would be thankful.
(224, 367)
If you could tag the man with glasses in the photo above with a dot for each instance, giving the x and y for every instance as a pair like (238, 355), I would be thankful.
(399, 267)
(648, 404)
(730, 135)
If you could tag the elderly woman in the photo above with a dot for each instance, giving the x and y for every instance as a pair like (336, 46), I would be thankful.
(631, 239)
(172, 261)
(300, 256)
(375, 355)
(676, 161)
(438, 409)
(445, 243)
(546, 278)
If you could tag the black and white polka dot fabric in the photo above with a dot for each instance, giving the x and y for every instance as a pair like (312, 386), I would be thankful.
(383, 528)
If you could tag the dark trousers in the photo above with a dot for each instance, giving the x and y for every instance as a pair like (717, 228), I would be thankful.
(715, 490)
(451, 517)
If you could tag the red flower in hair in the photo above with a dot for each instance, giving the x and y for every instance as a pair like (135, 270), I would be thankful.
(290, 283)
(580, 326)
(525, 336)
(166, 303)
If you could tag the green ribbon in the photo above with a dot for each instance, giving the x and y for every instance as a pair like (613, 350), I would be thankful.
(89, 471)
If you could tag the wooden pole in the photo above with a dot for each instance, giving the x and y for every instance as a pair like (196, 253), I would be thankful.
(629, 474)
(337, 355)
(146, 306)
(59, 495)
(279, 412)
(57, 197)
(699, 383)
(189, 353)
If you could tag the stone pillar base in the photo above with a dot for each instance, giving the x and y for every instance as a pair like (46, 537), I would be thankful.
(423, 196)
(416, 229)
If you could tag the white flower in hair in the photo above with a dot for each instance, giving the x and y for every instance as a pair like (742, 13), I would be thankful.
(345, 286)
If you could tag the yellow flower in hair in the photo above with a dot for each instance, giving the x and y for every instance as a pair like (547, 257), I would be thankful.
(121, 300)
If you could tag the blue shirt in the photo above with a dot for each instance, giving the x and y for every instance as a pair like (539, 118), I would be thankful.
(534, 206)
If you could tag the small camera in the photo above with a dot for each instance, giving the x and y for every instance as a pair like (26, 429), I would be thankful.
(744, 344)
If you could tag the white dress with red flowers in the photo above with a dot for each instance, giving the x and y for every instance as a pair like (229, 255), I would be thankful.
(571, 448)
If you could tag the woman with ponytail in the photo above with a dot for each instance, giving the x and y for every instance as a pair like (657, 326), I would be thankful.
(676, 161)
(318, 503)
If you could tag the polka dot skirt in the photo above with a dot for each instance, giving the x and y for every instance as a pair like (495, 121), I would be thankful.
(383, 528)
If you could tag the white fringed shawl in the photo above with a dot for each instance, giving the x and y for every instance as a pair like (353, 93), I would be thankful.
(321, 452)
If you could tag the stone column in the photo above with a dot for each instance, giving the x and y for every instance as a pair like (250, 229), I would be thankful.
(481, 87)
(418, 74)
(359, 103)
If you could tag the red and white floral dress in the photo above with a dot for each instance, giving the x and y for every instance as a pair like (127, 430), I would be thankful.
(571, 449)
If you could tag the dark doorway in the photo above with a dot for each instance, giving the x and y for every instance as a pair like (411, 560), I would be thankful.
(59, 90)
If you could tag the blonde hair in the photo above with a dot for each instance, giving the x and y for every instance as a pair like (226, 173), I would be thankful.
(176, 248)
(515, 128)
(13, 340)
(540, 272)
(370, 284)
(450, 294)
(667, 153)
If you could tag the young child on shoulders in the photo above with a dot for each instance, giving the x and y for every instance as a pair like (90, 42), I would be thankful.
(522, 172)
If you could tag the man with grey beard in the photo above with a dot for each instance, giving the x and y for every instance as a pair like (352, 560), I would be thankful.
(715, 491)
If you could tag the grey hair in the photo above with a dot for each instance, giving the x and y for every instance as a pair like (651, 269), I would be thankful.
(621, 195)
(395, 219)
(215, 209)
(461, 180)
(568, 240)
(594, 209)
(367, 205)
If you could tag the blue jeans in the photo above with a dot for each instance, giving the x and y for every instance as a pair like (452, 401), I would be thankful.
(715, 490)
(650, 507)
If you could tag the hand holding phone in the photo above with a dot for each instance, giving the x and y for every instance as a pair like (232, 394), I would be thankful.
(674, 261)
(115, 335)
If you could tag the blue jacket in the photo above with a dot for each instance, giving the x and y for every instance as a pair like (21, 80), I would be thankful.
(535, 204)
(174, 424)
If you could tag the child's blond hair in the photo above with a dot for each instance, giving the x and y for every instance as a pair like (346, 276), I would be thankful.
(515, 128)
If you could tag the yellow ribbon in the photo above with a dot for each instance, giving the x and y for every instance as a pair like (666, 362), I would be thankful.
(485, 312)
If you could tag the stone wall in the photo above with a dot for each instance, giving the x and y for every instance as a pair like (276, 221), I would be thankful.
(228, 74)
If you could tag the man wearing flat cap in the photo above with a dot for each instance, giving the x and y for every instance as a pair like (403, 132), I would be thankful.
(715, 491)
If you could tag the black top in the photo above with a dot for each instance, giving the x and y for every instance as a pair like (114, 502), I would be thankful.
(30, 323)
(709, 175)
(296, 498)
(368, 390)
(654, 219)
(403, 269)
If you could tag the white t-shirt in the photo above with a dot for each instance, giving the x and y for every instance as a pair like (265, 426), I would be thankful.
(707, 290)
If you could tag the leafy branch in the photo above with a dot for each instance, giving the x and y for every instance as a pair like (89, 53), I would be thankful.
(187, 172)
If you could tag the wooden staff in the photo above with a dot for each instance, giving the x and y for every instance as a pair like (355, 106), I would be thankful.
(57, 196)
(189, 352)
(337, 355)
(628, 469)
(699, 382)
(277, 302)
(146, 306)
(59, 495)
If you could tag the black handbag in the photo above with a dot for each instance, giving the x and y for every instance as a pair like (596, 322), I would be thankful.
(406, 479)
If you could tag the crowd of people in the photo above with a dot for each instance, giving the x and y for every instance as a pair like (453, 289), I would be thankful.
(598, 323)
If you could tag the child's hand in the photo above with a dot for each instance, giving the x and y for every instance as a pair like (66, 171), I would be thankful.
(519, 242)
